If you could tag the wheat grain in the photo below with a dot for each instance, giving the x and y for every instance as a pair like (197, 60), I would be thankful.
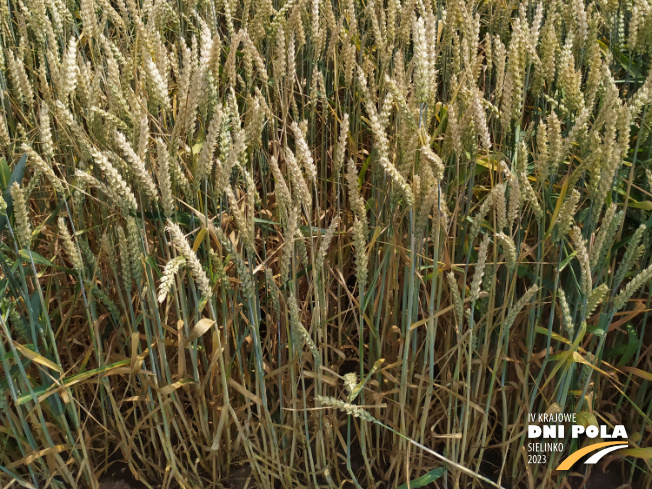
(23, 223)
(68, 244)
(194, 265)
(125, 259)
(115, 182)
(510, 250)
(628, 261)
(632, 287)
(69, 70)
(361, 258)
(567, 214)
(167, 279)
(142, 176)
(350, 409)
(583, 258)
(43, 167)
(566, 314)
(299, 333)
(522, 302)
(350, 383)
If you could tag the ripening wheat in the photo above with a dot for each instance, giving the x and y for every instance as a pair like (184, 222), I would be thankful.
(321, 244)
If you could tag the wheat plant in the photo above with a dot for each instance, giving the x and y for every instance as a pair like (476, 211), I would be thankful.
(322, 243)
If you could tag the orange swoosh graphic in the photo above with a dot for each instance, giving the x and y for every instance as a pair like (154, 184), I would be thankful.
(570, 461)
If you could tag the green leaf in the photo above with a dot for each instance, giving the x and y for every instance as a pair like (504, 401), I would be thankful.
(16, 177)
(363, 171)
(645, 453)
(5, 174)
(425, 479)
(625, 351)
(258, 220)
(567, 260)
(196, 149)
(46, 390)
(645, 205)
(152, 263)
(38, 358)
(632, 345)
(28, 256)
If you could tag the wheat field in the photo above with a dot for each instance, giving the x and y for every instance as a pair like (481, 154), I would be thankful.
(322, 243)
